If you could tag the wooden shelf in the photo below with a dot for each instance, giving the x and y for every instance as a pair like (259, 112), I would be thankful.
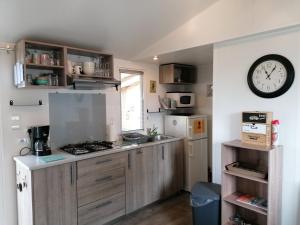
(268, 159)
(41, 66)
(89, 76)
(260, 180)
(232, 199)
(239, 144)
(43, 87)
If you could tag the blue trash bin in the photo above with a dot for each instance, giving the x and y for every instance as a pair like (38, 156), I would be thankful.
(206, 203)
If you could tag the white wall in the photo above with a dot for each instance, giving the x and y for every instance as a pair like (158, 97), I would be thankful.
(232, 61)
(9, 141)
(225, 20)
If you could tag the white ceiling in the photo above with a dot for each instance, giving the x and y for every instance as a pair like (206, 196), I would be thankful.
(194, 56)
(122, 27)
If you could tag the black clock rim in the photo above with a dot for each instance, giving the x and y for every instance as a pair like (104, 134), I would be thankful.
(289, 80)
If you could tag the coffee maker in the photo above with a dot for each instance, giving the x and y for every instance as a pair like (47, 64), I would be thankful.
(39, 140)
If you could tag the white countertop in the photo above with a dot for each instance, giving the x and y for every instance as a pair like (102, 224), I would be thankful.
(32, 162)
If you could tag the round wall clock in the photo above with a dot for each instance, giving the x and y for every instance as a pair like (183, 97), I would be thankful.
(271, 76)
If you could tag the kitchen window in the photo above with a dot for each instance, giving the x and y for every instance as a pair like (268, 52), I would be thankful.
(132, 100)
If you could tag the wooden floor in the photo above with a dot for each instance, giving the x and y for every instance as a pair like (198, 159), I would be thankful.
(174, 211)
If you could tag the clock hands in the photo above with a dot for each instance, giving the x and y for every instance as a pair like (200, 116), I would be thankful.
(268, 75)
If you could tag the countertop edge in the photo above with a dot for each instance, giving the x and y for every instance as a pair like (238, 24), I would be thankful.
(32, 162)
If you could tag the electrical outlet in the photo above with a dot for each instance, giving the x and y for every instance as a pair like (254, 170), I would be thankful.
(15, 127)
(15, 118)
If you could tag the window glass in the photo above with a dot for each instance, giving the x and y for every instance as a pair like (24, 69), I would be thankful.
(132, 100)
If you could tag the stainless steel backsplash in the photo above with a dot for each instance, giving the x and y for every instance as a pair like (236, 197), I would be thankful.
(76, 118)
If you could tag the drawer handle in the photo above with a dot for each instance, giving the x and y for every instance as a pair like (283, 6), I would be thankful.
(104, 179)
(103, 204)
(103, 161)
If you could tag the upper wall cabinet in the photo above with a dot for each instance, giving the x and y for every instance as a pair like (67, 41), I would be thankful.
(39, 65)
(177, 74)
(46, 65)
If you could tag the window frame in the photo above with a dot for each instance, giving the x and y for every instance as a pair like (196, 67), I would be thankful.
(141, 74)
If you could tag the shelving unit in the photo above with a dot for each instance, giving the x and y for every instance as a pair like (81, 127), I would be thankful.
(233, 183)
(57, 66)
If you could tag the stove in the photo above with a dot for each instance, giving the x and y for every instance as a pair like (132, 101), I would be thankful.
(87, 147)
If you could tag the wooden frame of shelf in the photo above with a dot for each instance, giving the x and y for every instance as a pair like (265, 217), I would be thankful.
(269, 158)
(62, 69)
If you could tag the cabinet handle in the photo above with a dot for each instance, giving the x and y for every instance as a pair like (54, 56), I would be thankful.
(163, 152)
(139, 151)
(103, 161)
(129, 160)
(103, 179)
(103, 204)
(71, 172)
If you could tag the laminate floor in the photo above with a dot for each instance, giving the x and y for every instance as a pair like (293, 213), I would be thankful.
(173, 211)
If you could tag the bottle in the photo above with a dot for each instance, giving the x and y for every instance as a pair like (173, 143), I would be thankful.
(275, 130)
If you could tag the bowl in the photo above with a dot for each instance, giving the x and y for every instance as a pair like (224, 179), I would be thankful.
(40, 82)
(89, 68)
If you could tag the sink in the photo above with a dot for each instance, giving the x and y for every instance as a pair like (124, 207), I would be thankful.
(161, 137)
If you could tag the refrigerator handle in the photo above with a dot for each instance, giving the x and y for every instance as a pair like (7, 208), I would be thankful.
(190, 132)
(191, 150)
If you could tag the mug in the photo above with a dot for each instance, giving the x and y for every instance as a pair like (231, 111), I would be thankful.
(78, 69)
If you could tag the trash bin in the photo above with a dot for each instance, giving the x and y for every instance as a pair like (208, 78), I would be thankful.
(206, 203)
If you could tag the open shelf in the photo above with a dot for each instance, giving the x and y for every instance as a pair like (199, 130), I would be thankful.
(260, 180)
(239, 144)
(232, 199)
(259, 158)
(41, 66)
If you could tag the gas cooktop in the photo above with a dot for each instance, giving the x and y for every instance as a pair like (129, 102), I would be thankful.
(87, 147)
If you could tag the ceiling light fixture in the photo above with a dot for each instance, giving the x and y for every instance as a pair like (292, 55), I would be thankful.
(155, 58)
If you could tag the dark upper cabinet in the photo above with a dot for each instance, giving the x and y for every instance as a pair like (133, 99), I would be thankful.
(177, 74)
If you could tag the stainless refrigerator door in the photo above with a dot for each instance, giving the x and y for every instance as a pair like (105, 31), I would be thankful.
(196, 162)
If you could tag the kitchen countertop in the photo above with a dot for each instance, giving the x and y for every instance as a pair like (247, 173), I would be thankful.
(32, 162)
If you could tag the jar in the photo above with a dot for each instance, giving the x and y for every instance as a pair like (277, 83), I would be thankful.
(45, 59)
(36, 58)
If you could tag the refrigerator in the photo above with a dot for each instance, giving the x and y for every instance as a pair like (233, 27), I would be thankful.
(194, 130)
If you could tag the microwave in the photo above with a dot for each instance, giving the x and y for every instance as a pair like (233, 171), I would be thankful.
(182, 99)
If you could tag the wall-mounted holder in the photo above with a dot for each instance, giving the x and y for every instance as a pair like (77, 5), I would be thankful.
(160, 110)
(40, 103)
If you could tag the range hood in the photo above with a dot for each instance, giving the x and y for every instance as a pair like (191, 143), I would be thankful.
(94, 84)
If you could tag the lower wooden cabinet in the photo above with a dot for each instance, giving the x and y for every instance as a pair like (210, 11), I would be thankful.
(142, 183)
(97, 190)
(47, 196)
(101, 186)
(171, 168)
(153, 173)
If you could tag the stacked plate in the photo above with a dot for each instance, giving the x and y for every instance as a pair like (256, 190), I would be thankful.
(89, 68)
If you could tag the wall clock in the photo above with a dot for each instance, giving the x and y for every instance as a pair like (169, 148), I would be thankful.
(271, 76)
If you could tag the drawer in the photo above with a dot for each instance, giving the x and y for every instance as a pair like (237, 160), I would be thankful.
(103, 211)
(112, 161)
(99, 185)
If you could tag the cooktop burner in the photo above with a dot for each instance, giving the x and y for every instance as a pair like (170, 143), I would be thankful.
(87, 147)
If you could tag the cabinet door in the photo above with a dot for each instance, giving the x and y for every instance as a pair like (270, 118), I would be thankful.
(171, 167)
(54, 195)
(142, 172)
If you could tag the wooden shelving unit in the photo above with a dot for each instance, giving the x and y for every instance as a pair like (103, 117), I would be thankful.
(60, 54)
(234, 183)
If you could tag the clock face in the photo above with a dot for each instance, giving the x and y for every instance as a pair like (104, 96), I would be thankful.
(271, 76)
